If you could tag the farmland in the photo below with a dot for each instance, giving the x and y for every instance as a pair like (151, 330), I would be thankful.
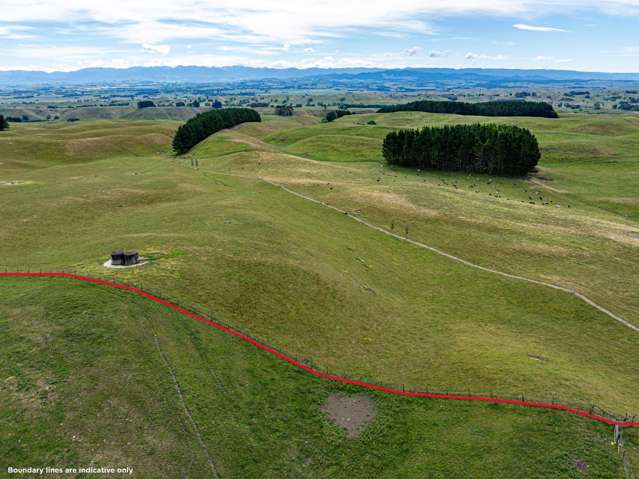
(226, 238)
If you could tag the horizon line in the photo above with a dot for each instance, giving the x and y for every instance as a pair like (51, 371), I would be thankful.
(239, 65)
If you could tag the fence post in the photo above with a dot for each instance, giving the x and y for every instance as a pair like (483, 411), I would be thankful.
(617, 435)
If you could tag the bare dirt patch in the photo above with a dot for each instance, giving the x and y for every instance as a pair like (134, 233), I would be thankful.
(109, 264)
(581, 465)
(37, 395)
(15, 183)
(351, 412)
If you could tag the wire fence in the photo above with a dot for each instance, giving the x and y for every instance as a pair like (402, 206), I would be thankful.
(549, 398)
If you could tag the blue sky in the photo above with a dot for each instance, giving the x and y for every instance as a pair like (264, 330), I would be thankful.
(563, 34)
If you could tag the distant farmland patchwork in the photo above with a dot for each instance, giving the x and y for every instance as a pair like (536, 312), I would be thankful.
(323, 287)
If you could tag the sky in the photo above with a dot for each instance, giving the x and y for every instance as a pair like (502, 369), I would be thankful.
(63, 35)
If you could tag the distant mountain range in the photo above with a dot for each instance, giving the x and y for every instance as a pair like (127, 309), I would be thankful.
(181, 74)
(411, 76)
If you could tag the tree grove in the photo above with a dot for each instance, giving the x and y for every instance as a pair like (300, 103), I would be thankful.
(494, 149)
(490, 108)
(205, 124)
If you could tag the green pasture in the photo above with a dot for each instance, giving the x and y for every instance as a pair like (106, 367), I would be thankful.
(324, 288)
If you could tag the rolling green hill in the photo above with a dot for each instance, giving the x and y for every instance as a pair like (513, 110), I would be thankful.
(330, 290)
(87, 376)
(92, 113)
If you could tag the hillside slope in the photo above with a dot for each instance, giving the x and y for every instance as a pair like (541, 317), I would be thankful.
(87, 380)
(319, 285)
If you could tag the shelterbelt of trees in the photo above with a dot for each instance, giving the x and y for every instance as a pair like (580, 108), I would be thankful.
(493, 149)
(4, 124)
(205, 124)
(490, 108)
(334, 115)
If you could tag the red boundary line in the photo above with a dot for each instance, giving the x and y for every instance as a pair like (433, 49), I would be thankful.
(315, 372)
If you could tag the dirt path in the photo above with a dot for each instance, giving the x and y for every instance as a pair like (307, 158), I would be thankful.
(187, 411)
(580, 296)
(419, 244)
(546, 186)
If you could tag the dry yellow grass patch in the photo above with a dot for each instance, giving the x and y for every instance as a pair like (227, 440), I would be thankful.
(285, 160)
(84, 146)
(584, 227)
(627, 200)
(541, 248)
(88, 146)
(619, 232)
(541, 183)
(156, 139)
(292, 180)
(238, 137)
(391, 201)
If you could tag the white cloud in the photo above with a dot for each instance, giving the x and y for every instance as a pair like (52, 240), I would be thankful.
(478, 56)
(141, 27)
(16, 32)
(413, 51)
(292, 21)
(159, 49)
(59, 58)
(553, 61)
(251, 49)
(627, 51)
(157, 32)
(397, 59)
(537, 28)
(503, 43)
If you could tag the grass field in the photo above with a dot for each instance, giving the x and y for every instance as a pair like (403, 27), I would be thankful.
(84, 382)
(353, 301)
(91, 113)
(38, 145)
(585, 236)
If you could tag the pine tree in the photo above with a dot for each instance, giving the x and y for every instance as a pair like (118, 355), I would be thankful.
(493, 149)
(205, 124)
(491, 108)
